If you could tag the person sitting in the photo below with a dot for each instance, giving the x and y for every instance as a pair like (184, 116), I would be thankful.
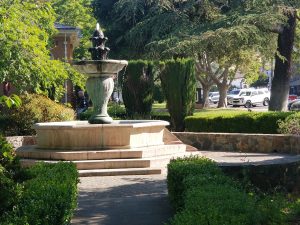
(81, 103)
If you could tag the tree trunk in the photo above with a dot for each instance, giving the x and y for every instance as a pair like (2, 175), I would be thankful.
(205, 95)
(223, 88)
(282, 73)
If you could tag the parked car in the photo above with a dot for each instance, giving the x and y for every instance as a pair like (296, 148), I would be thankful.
(232, 94)
(294, 105)
(252, 97)
(213, 97)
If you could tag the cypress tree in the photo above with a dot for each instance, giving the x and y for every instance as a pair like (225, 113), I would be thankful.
(179, 85)
(137, 88)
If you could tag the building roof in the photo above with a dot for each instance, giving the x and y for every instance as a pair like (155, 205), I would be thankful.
(60, 26)
(68, 31)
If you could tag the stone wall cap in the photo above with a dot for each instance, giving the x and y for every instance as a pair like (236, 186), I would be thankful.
(85, 124)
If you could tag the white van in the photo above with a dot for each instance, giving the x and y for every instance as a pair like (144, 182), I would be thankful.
(252, 97)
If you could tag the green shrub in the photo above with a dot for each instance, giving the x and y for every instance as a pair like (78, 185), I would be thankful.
(181, 168)
(217, 204)
(7, 155)
(116, 111)
(236, 122)
(158, 94)
(178, 82)
(290, 125)
(8, 160)
(137, 88)
(49, 196)
(205, 195)
(275, 209)
(35, 108)
(10, 192)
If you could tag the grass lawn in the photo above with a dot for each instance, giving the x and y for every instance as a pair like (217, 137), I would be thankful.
(216, 111)
(159, 106)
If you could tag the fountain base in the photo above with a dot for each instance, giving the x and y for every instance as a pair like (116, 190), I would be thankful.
(100, 119)
(125, 147)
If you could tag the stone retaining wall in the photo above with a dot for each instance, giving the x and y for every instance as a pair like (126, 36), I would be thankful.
(237, 142)
(18, 141)
(264, 143)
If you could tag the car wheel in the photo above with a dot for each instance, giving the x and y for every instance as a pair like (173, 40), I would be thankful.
(235, 106)
(266, 102)
(248, 104)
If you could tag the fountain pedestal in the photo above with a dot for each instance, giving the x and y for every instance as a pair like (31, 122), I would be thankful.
(100, 90)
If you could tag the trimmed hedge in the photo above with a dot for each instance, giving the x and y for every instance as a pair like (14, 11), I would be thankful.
(179, 85)
(203, 195)
(236, 122)
(179, 169)
(137, 88)
(49, 196)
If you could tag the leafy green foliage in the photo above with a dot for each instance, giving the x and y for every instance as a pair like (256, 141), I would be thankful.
(35, 108)
(76, 13)
(9, 171)
(234, 36)
(10, 101)
(49, 196)
(179, 169)
(115, 110)
(137, 91)
(6, 152)
(8, 160)
(25, 30)
(217, 204)
(236, 122)
(203, 195)
(10, 192)
(178, 83)
(290, 125)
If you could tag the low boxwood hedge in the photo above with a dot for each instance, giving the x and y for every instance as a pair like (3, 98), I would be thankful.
(49, 196)
(179, 169)
(235, 122)
(202, 194)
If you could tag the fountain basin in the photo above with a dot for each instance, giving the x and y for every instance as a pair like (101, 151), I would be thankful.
(80, 135)
(96, 68)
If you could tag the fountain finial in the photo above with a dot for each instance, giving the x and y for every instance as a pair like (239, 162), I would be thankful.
(98, 51)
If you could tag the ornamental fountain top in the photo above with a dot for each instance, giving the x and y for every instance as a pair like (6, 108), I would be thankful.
(99, 51)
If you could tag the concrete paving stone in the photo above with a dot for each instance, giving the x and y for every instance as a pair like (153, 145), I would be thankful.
(123, 200)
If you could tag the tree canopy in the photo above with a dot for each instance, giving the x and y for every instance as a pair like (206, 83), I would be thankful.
(76, 13)
(224, 30)
(26, 27)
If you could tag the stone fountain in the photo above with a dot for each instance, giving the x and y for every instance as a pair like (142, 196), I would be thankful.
(102, 146)
(100, 72)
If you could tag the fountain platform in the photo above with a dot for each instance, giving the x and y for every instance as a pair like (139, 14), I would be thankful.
(125, 147)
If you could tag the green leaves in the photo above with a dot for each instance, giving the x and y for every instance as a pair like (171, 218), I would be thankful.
(26, 28)
(10, 101)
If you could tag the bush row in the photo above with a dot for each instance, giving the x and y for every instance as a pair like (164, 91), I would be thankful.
(202, 194)
(244, 122)
(48, 195)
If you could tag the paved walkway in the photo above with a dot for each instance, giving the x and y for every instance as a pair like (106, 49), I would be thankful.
(120, 200)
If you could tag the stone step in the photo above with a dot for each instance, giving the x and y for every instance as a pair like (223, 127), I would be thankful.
(30, 152)
(119, 172)
(152, 162)
(97, 164)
